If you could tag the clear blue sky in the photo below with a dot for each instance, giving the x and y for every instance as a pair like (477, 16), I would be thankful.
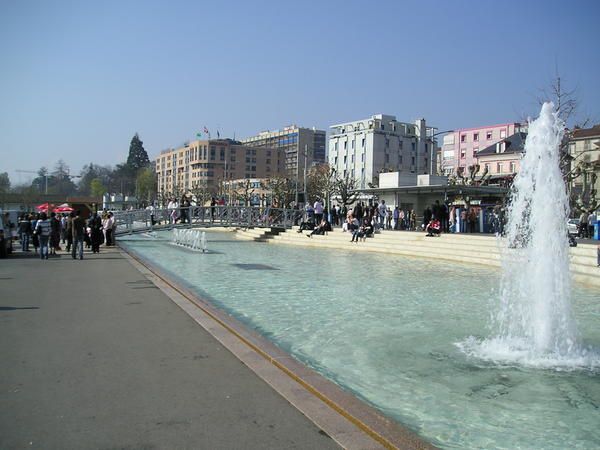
(79, 78)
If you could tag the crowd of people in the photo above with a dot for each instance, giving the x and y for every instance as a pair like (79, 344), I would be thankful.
(48, 233)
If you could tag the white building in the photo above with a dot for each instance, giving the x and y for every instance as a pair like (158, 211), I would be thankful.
(364, 148)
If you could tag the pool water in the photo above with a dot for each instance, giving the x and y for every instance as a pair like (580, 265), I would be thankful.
(389, 329)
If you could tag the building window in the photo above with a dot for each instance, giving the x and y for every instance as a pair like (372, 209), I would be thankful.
(499, 167)
(463, 138)
(345, 159)
(352, 160)
(345, 145)
(353, 144)
(336, 146)
(413, 146)
(463, 152)
(387, 158)
(362, 157)
(488, 135)
(363, 142)
(335, 161)
(513, 167)
(475, 150)
(502, 134)
(475, 137)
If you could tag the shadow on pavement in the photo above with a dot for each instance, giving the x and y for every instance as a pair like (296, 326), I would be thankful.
(14, 308)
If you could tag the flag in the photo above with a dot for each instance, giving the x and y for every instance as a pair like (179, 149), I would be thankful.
(218, 135)
(206, 130)
(198, 135)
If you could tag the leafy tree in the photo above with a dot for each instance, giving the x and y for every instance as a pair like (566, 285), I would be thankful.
(97, 188)
(60, 181)
(138, 158)
(146, 184)
(4, 182)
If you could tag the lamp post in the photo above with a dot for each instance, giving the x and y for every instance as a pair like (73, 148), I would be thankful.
(431, 164)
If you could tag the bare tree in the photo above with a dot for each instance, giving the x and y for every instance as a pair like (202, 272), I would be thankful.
(346, 189)
(282, 189)
(244, 191)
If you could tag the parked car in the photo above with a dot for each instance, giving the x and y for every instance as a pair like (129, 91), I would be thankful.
(573, 226)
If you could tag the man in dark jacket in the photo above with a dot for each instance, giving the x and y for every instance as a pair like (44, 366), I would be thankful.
(78, 233)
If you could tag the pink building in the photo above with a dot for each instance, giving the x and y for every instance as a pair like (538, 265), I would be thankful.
(460, 148)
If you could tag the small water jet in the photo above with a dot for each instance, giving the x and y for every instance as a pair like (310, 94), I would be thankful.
(534, 324)
(192, 239)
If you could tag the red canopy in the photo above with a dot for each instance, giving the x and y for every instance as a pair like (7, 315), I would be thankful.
(44, 207)
(63, 209)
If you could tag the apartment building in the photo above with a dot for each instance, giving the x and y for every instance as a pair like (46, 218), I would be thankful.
(502, 160)
(584, 148)
(301, 146)
(460, 147)
(364, 148)
(214, 162)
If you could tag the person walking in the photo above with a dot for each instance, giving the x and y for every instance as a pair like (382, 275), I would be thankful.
(54, 233)
(592, 218)
(77, 229)
(24, 232)
(42, 230)
(583, 224)
(95, 225)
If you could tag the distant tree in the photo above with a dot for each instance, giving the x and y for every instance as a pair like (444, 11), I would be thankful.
(321, 182)
(97, 188)
(201, 192)
(138, 158)
(346, 189)
(145, 184)
(123, 179)
(573, 167)
(282, 190)
(244, 192)
(4, 182)
(61, 181)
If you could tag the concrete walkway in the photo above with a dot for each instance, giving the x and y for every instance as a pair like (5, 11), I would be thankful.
(93, 355)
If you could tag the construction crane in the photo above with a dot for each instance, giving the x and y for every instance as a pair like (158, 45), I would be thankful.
(37, 173)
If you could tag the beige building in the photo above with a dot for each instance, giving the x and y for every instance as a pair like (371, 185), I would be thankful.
(213, 163)
(502, 160)
(584, 148)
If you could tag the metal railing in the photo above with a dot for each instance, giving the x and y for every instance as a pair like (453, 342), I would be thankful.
(206, 216)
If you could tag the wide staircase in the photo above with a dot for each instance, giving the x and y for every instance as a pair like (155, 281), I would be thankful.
(464, 248)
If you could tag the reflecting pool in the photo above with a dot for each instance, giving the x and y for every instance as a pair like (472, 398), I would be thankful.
(389, 329)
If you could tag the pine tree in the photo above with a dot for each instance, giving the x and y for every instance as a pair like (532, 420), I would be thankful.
(138, 158)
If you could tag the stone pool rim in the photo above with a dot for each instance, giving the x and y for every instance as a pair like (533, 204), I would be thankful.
(385, 431)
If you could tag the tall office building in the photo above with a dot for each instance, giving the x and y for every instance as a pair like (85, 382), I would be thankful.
(364, 148)
(212, 162)
(300, 145)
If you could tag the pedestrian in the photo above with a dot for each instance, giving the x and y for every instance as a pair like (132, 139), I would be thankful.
(96, 235)
(24, 232)
(69, 231)
(591, 222)
(77, 235)
(583, 225)
(54, 233)
(42, 230)
(35, 239)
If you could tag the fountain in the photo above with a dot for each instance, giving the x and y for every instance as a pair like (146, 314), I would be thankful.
(192, 239)
(534, 325)
(389, 339)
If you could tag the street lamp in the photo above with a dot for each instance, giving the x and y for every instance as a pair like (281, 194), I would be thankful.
(432, 147)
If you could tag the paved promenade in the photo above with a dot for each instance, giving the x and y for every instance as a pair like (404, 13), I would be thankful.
(93, 355)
